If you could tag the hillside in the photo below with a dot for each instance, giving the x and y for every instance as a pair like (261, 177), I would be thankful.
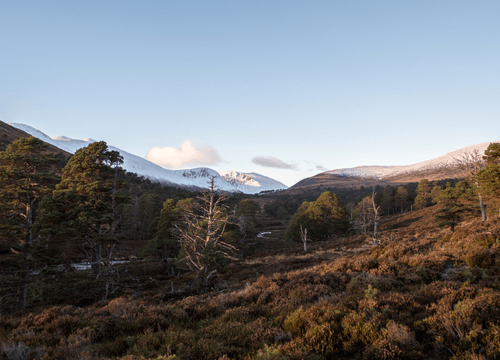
(440, 168)
(9, 134)
(423, 293)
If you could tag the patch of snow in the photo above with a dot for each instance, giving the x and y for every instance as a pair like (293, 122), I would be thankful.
(251, 183)
(261, 235)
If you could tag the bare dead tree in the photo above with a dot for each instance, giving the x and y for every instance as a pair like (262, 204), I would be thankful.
(303, 236)
(350, 207)
(471, 163)
(201, 231)
(376, 217)
(363, 215)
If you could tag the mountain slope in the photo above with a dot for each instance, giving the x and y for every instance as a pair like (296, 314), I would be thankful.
(232, 181)
(9, 134)
(442, 167)
(387, 172)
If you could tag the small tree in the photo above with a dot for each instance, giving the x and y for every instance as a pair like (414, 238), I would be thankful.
(423, 198)
(387, 199)
(303, 236)
(201, 231)
(492, 154)
(471, 164)
(376, 217)
(323, 218)
(363, 214)
(489, 178)
(402, 198)
(453, 203)
(435, 192)
(165, 243)
(246, 218)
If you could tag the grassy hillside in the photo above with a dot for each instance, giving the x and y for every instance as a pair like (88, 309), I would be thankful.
(423, 293)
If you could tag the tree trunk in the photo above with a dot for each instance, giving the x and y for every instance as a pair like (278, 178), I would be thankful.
(305, 240)
(23, 291)
(96, 261)
(483, 208)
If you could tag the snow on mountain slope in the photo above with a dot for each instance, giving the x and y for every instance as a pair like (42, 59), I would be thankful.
(231, 181)
(384, 172)
(245, 180)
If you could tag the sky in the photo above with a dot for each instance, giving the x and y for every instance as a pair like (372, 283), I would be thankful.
(283, 88)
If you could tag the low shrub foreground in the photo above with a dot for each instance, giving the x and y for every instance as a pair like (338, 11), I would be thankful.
(423, 293)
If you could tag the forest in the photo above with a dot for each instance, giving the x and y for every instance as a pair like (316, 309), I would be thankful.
(99, 263)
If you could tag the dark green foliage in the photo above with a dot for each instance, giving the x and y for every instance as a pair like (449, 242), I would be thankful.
(423, 198)
(25, 178)
(435, 192)
(247, 218)
(323, 218)
(489, 179)
(387, 201)
(455, 202)
(401, 198)
(492, 154)
(165, 244)
(83, 206)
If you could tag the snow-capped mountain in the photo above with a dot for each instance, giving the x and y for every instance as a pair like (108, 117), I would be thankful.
(232, 181)
(384, 172)
(238, 179)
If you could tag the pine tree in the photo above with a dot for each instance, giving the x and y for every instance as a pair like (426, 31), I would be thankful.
(83, 206)
(471, 163)
(402, 198)
(247, 218)
(25, 178)
(435, 192)
(489, 178)
(387, 199)
(165, 243)
(454, 203)
(423, 198)
(492, 154)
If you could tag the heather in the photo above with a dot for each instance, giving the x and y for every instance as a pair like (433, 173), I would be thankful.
(424, 292)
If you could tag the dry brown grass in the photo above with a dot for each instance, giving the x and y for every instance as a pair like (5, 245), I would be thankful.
(424, 293)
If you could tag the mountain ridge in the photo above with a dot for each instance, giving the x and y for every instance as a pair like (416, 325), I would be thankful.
(439, 168)
(198, 178)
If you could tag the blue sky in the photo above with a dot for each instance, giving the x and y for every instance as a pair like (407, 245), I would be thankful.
(236, 85)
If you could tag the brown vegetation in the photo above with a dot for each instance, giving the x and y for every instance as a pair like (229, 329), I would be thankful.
(423, 293)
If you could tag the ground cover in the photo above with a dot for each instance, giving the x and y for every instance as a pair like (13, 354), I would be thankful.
(422, 293)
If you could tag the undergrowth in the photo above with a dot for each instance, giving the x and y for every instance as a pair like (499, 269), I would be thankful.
(423, 293)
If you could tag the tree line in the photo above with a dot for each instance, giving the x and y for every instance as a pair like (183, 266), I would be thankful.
(328, 216)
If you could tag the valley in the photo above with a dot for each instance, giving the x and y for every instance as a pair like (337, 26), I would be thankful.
(398, 267)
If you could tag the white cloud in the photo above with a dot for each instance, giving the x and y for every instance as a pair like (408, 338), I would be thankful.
(187, 155)
(272, 162)
(321, 168)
